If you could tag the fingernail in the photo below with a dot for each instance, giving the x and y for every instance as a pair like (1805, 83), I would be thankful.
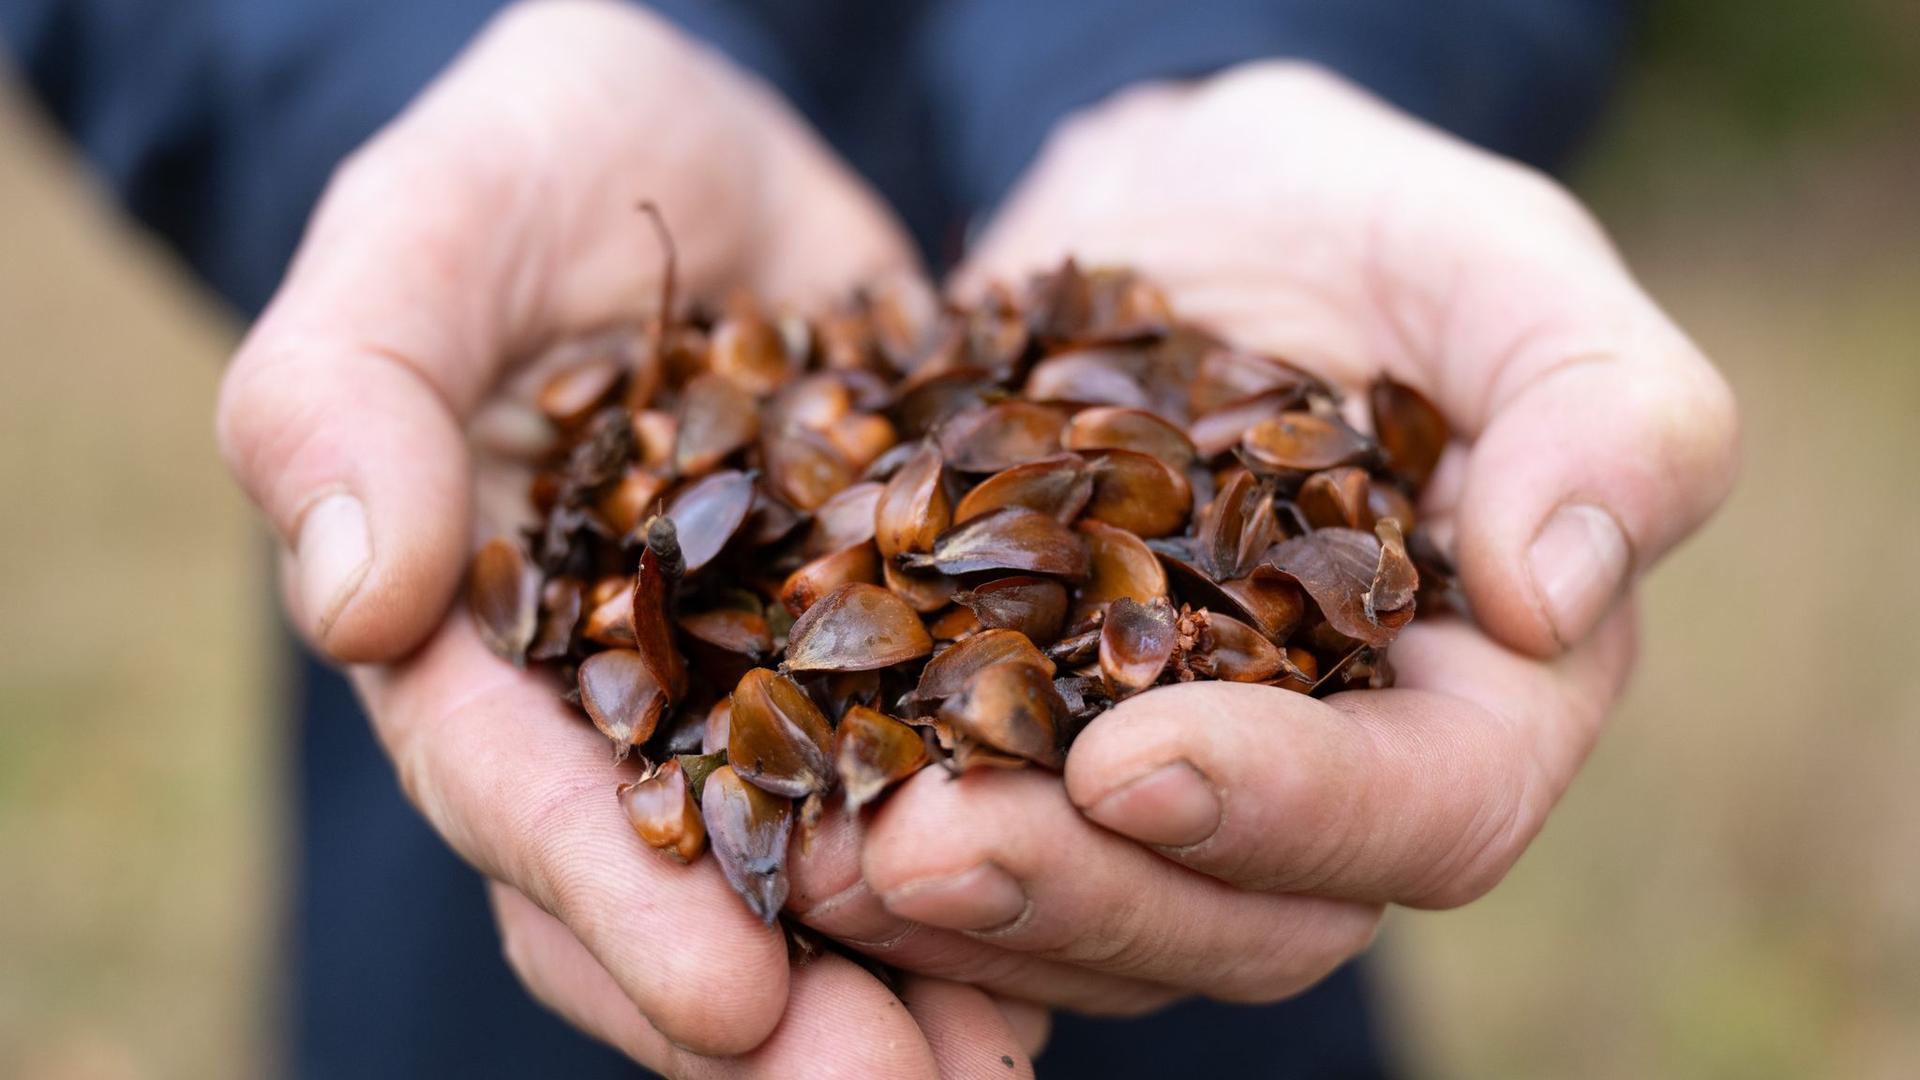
(1579, 563)
(333, 553)
(977, 899)
(1172, 806)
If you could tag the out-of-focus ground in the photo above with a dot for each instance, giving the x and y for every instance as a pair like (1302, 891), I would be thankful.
(1731, 890)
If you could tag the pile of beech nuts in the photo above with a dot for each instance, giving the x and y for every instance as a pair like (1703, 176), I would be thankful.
(787, 560)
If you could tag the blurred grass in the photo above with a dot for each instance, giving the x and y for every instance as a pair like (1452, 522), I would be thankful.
(137, 810)
(1728, 889)
(1727, 892)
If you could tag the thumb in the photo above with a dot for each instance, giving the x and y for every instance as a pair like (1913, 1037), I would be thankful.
(341, 414)
(1601, 436)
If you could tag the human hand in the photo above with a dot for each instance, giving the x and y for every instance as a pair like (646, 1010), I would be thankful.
(1293, 214)
(491, 219)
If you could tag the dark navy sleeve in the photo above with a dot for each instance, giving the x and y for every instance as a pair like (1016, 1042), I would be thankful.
(1522, 77)
(217, 122)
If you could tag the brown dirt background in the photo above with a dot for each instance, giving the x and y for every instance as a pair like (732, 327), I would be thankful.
(1732, 889)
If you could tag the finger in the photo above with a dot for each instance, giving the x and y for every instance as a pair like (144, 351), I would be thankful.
(1601, 435)
(562, 975)
(1018, 867)
(522, 789)
(841, 1022)
(966, 1030)
(1031, 1024)
(1421, 795)
(830, 896)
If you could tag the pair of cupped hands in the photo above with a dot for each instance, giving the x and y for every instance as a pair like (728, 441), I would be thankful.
(1233, 841)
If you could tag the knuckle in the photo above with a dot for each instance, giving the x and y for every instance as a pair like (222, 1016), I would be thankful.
(1486, 851)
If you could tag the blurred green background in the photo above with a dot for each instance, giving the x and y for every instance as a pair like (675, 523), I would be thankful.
(1732, 889)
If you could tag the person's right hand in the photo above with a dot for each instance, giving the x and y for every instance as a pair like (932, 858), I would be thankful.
(494, 217)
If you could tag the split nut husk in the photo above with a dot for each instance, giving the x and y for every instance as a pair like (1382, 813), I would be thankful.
(787, 561)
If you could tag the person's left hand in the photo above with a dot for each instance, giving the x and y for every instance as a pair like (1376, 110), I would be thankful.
(1291, 213)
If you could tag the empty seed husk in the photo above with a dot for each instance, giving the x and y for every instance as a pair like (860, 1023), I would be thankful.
(827, 553)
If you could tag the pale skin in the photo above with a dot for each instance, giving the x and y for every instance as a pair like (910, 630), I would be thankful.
(1227, 840)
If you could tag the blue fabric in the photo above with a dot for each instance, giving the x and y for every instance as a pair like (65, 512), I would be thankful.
(217, 123)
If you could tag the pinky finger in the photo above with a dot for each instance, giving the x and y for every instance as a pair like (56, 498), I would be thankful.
(562, 975)
(1030, 1023)
(839, 1021)
(969, 1031)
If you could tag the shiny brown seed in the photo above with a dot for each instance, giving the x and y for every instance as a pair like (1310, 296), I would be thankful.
(748, 351)
(953, 624)
(951, 670)
(1222, 429)
(1229, 376)
(1000, 436)
(560, 602)
(731, 629)
(716, 420)
(1136, 643)
(1059, 486)
(749, 829)
(813, 402)
(777, 737)
(653, 590)
(805, 469)
(708, 513)
(1272, 602)
(1096, 376)
(928, 398)
(630, 502)
(925, 591)
(655, 431)
(1387, 501)
(861, 438)
(1233, 531)
(1305, 442)
(873, 751)
(1239, 653)
(844, 520)
(1108, 428)
(611, 622)
(1336, 497)
(1012, 708)
(1122, 566)
(574, 392)
(913, 510)
(1140, 494)
(622, 698)
(815, 579)
(661, 809)
(718, 727)
(1305, 674)
(856, 628)
(1013, 539)
(1034, 606)
(503, 592)
(1411, 430)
